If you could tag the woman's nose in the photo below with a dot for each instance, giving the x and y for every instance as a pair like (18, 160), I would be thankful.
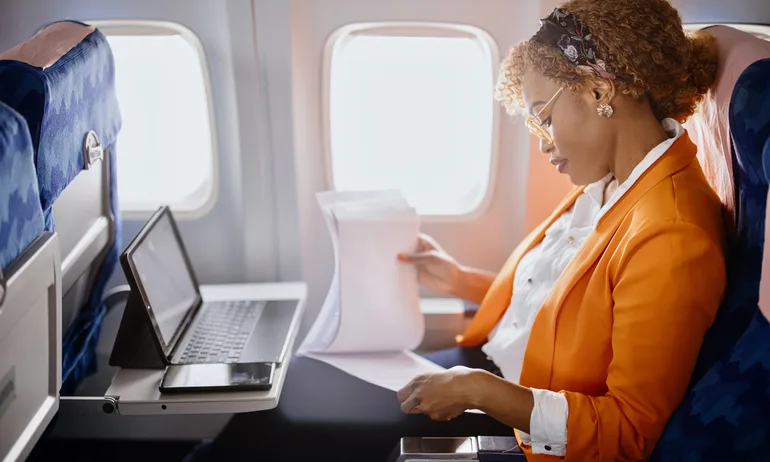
(546, 147)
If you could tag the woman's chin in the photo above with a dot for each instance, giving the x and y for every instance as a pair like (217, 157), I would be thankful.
(578, 180)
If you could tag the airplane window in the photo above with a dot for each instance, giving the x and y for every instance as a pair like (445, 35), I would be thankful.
(165, 151)
(413, 112)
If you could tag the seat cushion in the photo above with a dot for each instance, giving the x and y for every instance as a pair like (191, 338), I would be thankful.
(725, 417)
(61, 104)
(21, 218)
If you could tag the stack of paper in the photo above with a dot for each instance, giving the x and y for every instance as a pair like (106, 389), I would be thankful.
(371, 317)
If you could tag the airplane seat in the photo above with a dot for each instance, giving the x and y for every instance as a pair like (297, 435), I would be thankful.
(30, 298)
(62, 81)
(724, 416)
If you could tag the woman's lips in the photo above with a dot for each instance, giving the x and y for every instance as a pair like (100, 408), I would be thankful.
(559, 162)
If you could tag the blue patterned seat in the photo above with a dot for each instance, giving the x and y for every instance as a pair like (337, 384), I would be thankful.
(29, 280)
(21, 218)
(62, 101)
(726, 414)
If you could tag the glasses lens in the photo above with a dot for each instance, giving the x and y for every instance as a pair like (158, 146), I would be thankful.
(537, 130)
(533, 127)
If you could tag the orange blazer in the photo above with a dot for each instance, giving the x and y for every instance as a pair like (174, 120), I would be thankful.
(620, 332)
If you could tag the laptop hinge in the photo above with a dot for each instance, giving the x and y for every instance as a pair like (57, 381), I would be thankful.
(135, 345)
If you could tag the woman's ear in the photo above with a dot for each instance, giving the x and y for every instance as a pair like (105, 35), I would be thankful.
(602, 90)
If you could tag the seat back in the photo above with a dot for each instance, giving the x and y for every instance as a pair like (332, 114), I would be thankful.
(726, 414)
(764, 285)
(30, 298)
(738, 186)
(62, 82)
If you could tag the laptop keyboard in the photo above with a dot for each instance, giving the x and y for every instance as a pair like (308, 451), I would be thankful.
(222, 332)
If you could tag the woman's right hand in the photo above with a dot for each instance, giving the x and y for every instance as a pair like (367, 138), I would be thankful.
(436, 269)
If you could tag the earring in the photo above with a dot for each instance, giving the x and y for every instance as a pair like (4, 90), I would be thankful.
(604, 110)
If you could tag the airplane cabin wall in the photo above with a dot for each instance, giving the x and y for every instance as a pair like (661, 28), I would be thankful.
(265, 62)
(265, 59)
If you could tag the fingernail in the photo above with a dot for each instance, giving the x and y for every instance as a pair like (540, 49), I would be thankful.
(402, 257)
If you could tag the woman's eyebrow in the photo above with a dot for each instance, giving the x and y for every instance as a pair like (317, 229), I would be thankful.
(534, 105)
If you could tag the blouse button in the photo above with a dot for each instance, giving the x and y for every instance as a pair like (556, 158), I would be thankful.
(547, 448)
(529, 281)
(571, 240)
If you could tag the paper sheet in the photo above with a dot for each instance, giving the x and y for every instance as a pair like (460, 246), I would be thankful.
(371, 317)
(388, 370)
(379, 295)
(391, 371)
(373, 299)
(325, 328)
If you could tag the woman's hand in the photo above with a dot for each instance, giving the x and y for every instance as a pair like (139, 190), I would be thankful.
(442, 396)
(435, 268)
(445, 395)
(440, 272)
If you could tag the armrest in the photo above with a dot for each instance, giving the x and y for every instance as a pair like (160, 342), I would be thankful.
(499, 449)
(444, 320)
(480, 448)
(115, 296)
(471, 309)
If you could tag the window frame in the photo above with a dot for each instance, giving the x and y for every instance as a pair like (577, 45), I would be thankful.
(416, 29)
(201, 201)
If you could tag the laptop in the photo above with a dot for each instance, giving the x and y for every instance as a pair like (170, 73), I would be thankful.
(187, 329)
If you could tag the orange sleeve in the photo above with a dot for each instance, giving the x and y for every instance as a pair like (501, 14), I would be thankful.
(666, 291)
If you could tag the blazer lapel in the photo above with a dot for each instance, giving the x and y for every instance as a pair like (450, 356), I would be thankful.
(538, 359)
(498, 297)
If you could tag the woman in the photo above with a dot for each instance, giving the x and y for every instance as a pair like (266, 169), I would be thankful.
(597, 318)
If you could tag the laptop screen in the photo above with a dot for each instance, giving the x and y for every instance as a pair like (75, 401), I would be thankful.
(159, 263)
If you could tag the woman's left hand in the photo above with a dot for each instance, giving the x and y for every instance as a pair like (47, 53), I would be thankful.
(443, 395)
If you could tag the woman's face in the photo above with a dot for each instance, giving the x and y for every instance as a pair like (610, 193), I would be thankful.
(581, 146)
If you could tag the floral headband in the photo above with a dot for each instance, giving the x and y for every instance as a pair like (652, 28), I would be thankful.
(562, 30)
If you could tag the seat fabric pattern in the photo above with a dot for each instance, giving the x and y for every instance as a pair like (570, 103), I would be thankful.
(21, 218)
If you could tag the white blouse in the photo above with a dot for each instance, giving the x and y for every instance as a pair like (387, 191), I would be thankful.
(536, 275)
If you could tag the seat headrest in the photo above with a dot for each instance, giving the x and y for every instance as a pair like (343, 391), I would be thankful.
(709, 128)
(21, 218)
(63, 95)
(49, 45)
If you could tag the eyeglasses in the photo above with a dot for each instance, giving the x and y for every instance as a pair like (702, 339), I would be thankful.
(535, 125)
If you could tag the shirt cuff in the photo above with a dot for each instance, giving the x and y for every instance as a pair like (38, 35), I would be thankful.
(548, 423)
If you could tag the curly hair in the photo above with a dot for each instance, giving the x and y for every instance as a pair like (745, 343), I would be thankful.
(643, 40)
